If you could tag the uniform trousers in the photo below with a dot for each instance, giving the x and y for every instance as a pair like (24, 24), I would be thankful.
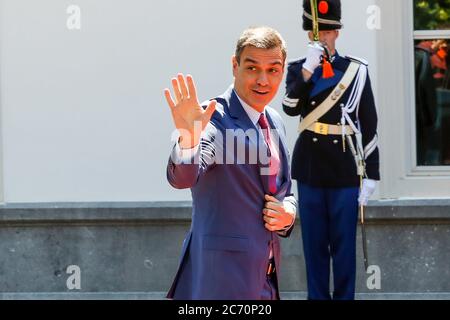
(328, 219)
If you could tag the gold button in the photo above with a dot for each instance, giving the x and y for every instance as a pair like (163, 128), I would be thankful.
(315, 139)
(313, 103)
(335, 141)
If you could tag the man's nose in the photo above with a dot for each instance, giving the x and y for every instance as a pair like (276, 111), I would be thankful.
(262, 79)
(322, 37)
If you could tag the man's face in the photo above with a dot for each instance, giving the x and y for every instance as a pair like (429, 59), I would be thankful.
(328, 37)
(258, 75)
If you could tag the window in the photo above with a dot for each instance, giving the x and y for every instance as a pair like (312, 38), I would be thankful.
(432, 81)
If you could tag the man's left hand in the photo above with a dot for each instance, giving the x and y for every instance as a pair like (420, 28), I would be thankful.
(277, 215)
(367, 190)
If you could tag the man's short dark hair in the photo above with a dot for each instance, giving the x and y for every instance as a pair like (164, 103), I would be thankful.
(260, 37)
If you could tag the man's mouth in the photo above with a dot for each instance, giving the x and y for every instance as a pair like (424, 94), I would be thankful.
(261, 92)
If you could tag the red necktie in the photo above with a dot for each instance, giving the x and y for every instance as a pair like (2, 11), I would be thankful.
(274, 163)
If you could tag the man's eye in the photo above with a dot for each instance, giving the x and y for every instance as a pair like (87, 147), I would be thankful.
(274, 70)
(251, 68)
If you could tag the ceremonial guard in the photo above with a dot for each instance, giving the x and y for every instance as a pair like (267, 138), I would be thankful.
(336, 159)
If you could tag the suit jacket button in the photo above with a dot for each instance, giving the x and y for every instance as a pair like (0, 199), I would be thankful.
(313, 103)
(315, 139)
(335, 141)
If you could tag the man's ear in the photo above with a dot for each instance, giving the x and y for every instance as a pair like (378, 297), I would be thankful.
(235, 64)
(310, 36)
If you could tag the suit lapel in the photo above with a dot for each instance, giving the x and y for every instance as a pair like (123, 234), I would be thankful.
(242, 121)
(241, 118)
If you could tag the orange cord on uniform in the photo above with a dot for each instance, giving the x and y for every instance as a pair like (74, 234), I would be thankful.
(327, 69)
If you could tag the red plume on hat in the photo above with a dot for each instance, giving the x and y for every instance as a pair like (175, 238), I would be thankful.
(323, 7)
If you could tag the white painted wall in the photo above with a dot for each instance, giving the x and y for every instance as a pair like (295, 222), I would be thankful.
(83, 114)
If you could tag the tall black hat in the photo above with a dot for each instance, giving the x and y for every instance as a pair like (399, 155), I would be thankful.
(329, 15)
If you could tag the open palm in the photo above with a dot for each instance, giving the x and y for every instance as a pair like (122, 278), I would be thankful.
(188, 115)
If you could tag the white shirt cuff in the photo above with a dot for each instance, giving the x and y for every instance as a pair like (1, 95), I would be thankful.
(293, 212)
(184, 156)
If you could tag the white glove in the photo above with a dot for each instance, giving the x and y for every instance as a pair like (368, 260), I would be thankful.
(367, 190)
(315, 52)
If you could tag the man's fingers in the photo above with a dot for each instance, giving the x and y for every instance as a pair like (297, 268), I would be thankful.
(274, 205)
(169, 98)
(363, 201)
(272, 202)
(191, 87)
(176, 89)
(210, 109)
(271, 198)
(270, 221)
(183, 87)
(270, 213)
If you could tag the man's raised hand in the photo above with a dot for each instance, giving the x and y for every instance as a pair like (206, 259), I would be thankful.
(188, 115)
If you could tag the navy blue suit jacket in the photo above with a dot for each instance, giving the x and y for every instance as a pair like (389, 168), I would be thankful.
(225, 253)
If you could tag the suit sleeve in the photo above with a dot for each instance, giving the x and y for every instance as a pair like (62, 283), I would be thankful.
(297, 90)
(184, 173)
(368, 122)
